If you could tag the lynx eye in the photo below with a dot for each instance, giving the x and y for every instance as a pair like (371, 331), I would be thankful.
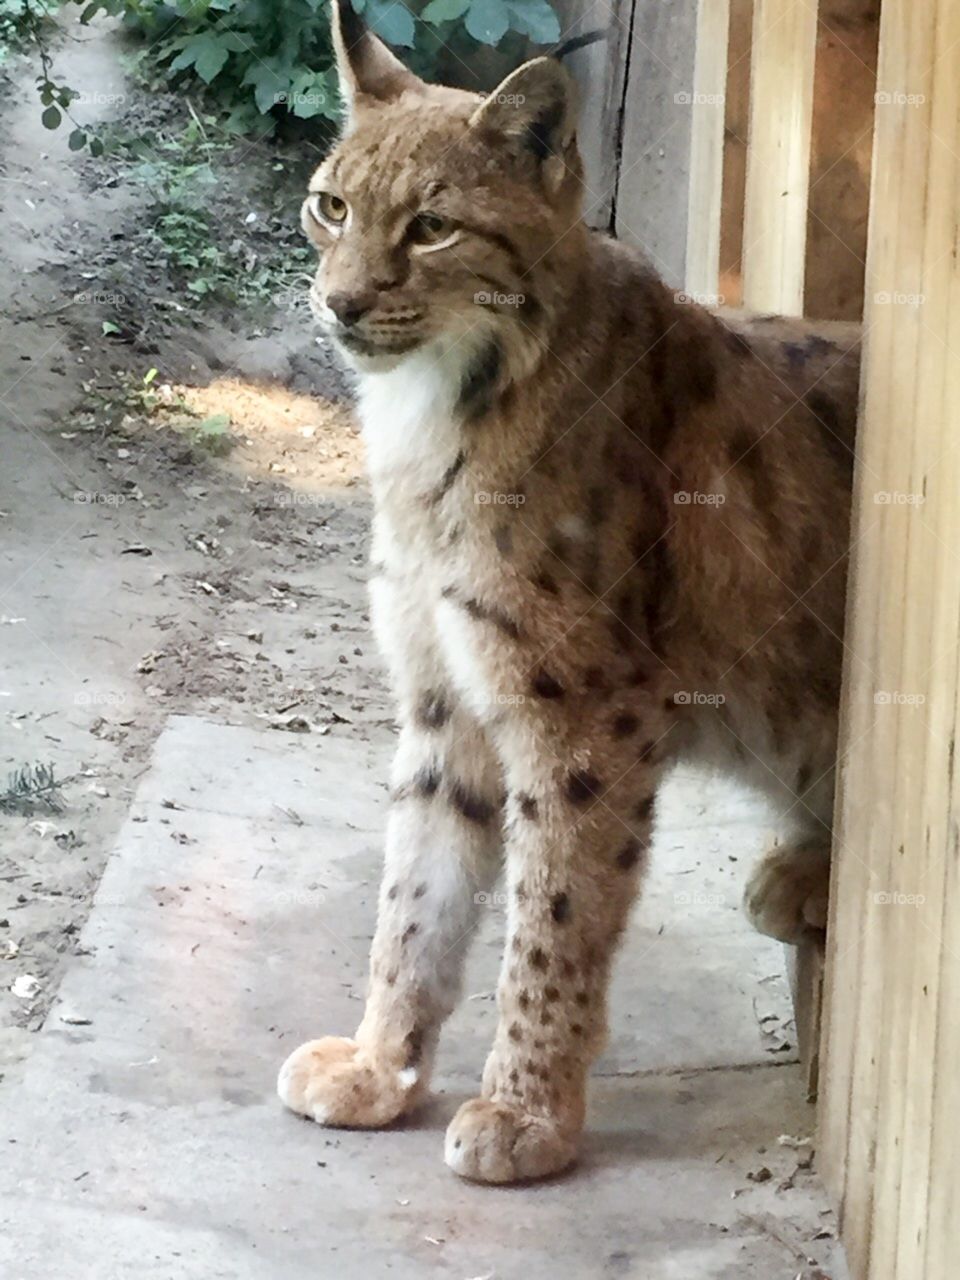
(430, 228)
(328, 207)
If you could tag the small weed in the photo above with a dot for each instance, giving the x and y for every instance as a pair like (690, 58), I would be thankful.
(122, 409)
(33, 788)
(213, 248)
(209, 435)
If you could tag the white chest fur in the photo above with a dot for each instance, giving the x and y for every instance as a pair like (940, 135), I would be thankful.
(409, 414)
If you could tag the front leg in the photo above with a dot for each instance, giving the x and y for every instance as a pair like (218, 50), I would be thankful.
(579, 821)
(443, 852)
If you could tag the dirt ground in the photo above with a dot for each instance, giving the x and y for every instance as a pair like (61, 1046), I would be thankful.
(194, 542)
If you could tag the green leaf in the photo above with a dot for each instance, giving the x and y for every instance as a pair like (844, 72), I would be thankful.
(270, 85)
(96, 147)
(535, 19)
(109, 327)
(206, 53)
(51, 118)
(209, 61)
(215, 426)
(392, 21)
(235, 42)
(445, 10)
(310, 95)
(487, 20)
(77, 140)
(266, 95)
(245, 118)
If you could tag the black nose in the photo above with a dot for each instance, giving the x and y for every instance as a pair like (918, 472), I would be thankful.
(349, 308)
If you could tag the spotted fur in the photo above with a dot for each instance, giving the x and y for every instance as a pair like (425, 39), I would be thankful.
(610, 529)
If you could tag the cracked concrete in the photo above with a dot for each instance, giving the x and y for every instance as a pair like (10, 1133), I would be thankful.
(233, 921)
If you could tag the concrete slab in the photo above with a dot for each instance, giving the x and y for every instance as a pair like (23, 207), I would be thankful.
(233, 921)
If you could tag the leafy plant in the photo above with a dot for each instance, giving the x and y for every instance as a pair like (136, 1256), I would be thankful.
(19, 24)
(22, 24)
(210, 435)
(262, 60)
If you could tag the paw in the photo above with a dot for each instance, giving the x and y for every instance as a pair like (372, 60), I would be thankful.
(492, 1142)
(787, 894)
(335, 1082)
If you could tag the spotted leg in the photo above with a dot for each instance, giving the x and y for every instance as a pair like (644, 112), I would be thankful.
(578, 831)
(442, 854)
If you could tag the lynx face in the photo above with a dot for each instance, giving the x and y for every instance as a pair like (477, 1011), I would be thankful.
(432, 213)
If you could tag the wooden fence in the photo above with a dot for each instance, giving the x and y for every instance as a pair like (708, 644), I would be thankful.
(670, 100)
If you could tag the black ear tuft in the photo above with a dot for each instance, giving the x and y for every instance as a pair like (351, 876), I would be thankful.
(565, 49)
(352, 26)
(366, 67)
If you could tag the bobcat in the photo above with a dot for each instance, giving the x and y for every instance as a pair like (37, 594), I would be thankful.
(610, 532)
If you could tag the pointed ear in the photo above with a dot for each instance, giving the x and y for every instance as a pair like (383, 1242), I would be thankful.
(366, 67)
(534, 111)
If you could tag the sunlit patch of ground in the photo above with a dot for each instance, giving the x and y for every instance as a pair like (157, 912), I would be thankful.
(306, 442)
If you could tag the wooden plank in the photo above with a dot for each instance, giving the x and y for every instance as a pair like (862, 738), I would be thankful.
(840, 150)
(805, 972)
(889, 1089)
(736, 128)
(654, 129)
(705, 201)
(848, 1113)
(891, 397)
(865, 818)
(600, 70)
(930, 1195)
(778, 154)
(902, 1088)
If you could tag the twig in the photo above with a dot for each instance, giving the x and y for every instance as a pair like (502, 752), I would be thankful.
(199, 122)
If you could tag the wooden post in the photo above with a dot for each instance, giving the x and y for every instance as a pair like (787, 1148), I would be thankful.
(805, 974)
(654, 128)
(600, 70)
(890, 1086)
(704, 206)
(635, 122)
(778, 154)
